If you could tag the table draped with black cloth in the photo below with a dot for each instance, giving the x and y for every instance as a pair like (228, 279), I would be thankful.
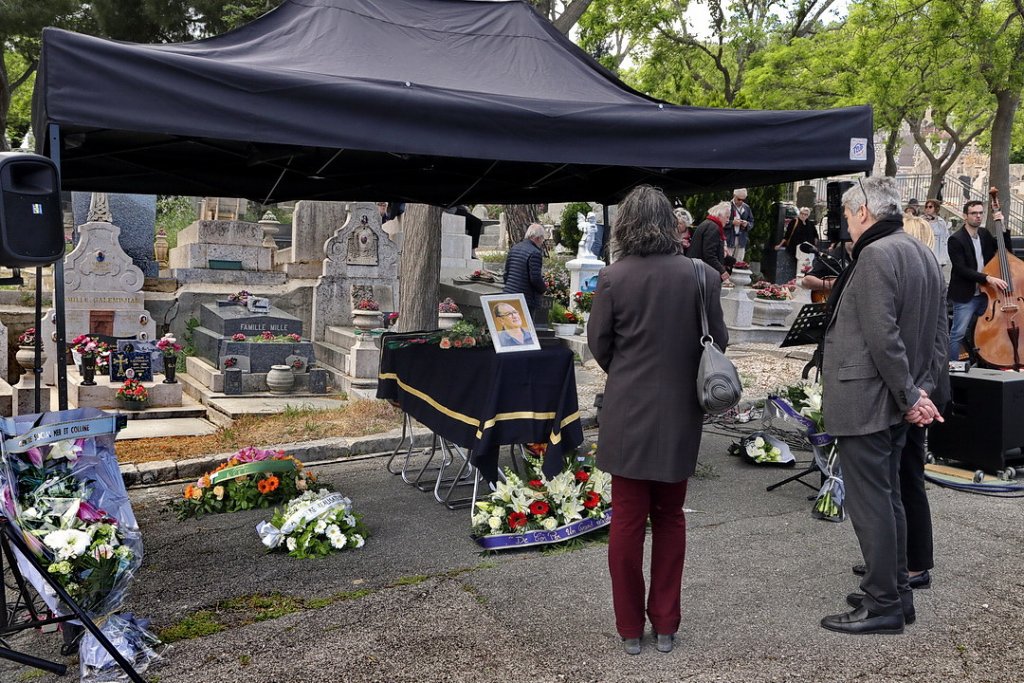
(481, 400)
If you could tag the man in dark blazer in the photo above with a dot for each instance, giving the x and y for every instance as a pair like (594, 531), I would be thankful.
(885, 346)
(523, 267)
(970, 248)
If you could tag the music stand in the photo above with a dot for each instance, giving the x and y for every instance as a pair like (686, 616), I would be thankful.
(809, 328)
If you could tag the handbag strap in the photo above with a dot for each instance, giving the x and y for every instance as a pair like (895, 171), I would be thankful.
(698, 270)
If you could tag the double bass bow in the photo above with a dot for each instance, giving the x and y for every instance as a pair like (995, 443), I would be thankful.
(997, 335)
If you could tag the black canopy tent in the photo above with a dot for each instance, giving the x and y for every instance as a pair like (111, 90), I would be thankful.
(435, 101)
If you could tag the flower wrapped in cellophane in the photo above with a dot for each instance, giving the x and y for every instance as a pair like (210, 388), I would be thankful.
(315, 524)
(533, 509)
(63, 493)
(801, 403)
(760, 448)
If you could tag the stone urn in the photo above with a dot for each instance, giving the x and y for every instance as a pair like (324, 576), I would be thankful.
(564, 329)
(446, 321)
(769, 312)
(280, 379)
(741, 277)
(26, 357)
(365, 320)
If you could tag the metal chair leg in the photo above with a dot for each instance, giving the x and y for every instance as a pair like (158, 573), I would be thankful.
(406, 427)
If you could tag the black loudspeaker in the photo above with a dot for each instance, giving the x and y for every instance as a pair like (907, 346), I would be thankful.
(31, 224)
(984, 428)
(837, 228)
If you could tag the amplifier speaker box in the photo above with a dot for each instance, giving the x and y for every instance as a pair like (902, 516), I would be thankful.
(769, 257)
(31, 224)
(984, 427)
(837, 228)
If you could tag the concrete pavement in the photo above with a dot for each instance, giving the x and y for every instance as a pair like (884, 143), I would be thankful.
(420, 602)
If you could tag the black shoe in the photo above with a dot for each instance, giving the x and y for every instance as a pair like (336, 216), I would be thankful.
(922, 580)
(860, 569)
(861, 621)
(856, 599)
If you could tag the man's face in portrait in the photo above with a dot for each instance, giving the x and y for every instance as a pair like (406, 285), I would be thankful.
(509, 316)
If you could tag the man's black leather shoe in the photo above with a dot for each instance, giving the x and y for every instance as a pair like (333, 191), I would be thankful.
(861, 621)
(857, 599)
(922, 580)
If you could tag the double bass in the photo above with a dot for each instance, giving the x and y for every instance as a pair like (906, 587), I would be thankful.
(997, 333)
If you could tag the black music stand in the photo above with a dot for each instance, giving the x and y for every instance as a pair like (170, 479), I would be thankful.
(809, 328)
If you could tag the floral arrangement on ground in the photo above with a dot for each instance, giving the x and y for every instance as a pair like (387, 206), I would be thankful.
(133, 391)
(315, 524)
(251, 478)
(805, 402)
(534, 503)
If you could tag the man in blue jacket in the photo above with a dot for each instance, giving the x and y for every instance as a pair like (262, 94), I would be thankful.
(523, 267)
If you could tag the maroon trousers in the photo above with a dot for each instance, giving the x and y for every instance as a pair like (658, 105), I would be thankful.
(633, 501)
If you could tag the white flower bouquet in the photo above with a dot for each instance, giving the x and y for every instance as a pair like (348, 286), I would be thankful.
(67, 499)
(541, 510)
(314, 525)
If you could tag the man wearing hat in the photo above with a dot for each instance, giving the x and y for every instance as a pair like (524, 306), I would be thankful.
(913, 208)
(741, 222)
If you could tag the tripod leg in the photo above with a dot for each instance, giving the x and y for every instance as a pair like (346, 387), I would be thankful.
(797, 478)
(34, 662)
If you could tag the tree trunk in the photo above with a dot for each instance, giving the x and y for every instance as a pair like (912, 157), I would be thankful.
(419, 270)
(5, 105)
(892, 149)
(1007, 102)
(517, 219)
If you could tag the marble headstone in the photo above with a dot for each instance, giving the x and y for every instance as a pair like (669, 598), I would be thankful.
(360, 258)
(313, 223)
(135, 214)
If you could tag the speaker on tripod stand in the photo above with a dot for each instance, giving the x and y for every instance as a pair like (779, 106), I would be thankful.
(31, 223)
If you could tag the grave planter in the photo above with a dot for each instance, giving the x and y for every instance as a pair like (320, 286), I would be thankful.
(170, 369)
(741, 277)
(564, 329)
(88, 371)
(446, 321)
(769, 312)
(280, 379)
(26, 357)
(134, 406)
(365, 320)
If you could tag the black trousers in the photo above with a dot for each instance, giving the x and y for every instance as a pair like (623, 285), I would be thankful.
(871, 473)
(915, 502)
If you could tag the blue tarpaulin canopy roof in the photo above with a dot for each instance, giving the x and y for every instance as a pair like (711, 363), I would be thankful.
(434, 101)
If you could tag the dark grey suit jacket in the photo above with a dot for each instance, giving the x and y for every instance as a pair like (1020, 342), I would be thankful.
(888, 339)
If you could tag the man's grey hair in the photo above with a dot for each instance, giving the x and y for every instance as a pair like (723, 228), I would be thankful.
(740, 192)
(534, 231)
(805, 209)
(683, 215)
(721, 211)
(878, 193)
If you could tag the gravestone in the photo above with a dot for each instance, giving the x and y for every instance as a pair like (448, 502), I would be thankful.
(313, 223)
(220, 321)
(361, 260)
(103, 289)
(456, 248)
(213, 251)
(129, 365)
(135, 215)
(156, 356)
(232, 382)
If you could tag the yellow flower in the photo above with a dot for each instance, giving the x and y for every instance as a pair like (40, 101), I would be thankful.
(218, 491)
(197, 493)
(204, 481)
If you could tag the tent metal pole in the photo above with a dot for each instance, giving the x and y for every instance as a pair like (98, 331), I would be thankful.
(58, 289)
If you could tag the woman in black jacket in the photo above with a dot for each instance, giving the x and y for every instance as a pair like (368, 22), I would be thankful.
(708, 240)
(802, 229)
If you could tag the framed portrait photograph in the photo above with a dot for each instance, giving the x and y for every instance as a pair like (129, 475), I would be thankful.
(510, 323)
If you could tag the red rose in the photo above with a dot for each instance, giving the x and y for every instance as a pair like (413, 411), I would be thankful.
(469, 341)
(516, 520)
(592, 501)
(536, 483)
(457, 343)
(445, 343)
(582, 475)
(539, 508)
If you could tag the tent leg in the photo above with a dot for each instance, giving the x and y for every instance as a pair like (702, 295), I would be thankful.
(58, 292)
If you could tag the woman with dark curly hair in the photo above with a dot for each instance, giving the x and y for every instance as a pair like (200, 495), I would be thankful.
(644, 331)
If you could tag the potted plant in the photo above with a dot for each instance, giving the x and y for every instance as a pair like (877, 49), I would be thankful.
(26, 355)
(132, 395)
(448, 314)
(771, 304)
(583, 302)
(741, 274)
(169, 347)
(563, 320)
(88, 349)
(366, 314)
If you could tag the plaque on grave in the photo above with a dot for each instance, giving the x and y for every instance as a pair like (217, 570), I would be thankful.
(156, 356)
(126, 365)
(297, 363)
(257, 304)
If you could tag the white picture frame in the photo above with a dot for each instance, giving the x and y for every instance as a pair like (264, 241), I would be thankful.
(502, 312)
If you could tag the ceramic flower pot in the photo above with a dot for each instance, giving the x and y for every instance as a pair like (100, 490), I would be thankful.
(26, 357)
(565, 329)
(446, 321)
(741, 277)
(365, 320)
(280, 379)
(89, 372)
(134, 406)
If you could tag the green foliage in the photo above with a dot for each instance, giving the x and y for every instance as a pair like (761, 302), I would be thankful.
(570, 234)
(19, 115)
(202, 623)
(174, 214)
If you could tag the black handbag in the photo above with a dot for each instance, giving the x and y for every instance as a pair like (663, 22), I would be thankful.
(718, 383)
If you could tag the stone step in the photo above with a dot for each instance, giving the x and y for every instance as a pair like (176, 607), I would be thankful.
(489, 241)
(342, 337)
(178, 426)
(331, 355)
